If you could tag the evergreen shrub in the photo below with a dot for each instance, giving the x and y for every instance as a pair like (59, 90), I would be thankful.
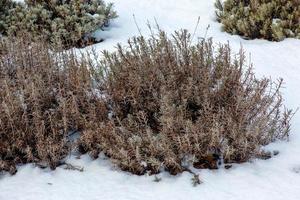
(68, 22)
(269, 19)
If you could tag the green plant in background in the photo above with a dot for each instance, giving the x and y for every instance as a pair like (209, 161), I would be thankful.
(269, 19)
(69, 22)
(5, 7)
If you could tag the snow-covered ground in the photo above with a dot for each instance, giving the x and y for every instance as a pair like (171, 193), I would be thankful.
(275, 179)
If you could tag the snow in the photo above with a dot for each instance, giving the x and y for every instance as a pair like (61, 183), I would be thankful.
(277, 178)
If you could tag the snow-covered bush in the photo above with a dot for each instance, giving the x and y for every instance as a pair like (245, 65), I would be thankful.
(69, 22)
(174, 103)
(44, 97)
(269, 19)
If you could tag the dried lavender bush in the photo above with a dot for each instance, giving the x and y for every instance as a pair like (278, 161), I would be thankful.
(43, 97)
(174, 103)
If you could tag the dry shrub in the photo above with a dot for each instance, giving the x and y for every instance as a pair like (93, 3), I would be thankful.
(44, 97)
(158, 103)
(174, 104)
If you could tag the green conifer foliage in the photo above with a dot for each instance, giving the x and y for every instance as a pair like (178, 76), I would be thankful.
(69, 22)
(5, 7)
(269, 19)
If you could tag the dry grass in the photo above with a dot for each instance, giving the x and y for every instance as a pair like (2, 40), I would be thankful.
(44, 96)
(175, 104)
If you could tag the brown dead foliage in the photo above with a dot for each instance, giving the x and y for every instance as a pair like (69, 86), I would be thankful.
(174, 103)
(44, 97)
(157, 104)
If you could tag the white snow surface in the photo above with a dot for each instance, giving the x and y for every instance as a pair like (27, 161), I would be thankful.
(275, 179)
